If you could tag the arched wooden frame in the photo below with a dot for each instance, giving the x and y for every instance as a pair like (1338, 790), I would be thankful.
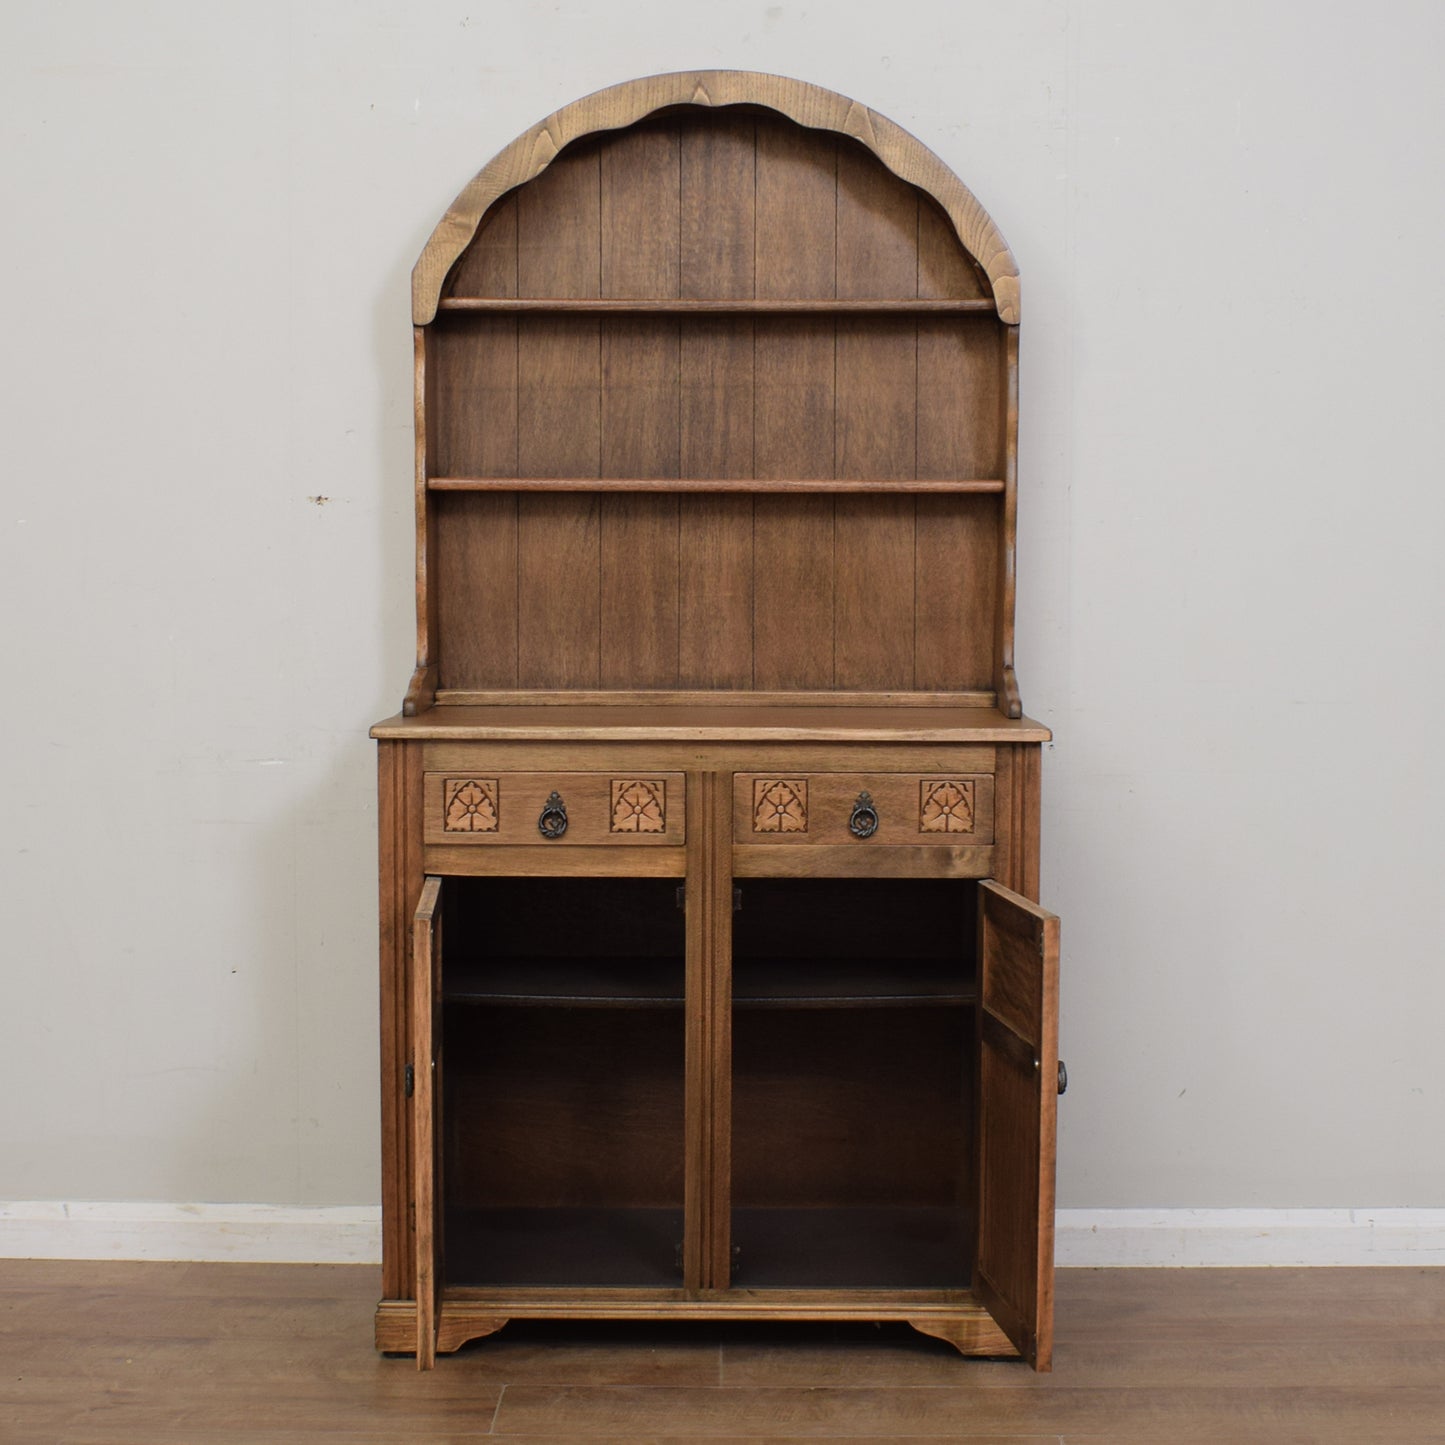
(812, 107)
(623, 105)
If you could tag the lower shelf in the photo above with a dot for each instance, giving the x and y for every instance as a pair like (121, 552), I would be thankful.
(584, 1248)
(869, 1247)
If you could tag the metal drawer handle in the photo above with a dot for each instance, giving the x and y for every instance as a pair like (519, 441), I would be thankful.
(863, 820)
(553, 822)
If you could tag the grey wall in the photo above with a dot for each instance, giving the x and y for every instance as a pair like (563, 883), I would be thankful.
(1228, 220)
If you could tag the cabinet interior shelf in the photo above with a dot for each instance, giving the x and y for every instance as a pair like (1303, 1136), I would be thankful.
(757, 983)
(721, 306)
(748, 485)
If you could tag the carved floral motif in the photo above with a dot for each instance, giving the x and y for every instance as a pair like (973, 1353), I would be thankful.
(945, 806)
(639, 805)
(780, 805)
(471, 805)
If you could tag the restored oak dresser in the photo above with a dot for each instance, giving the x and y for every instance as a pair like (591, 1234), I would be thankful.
(713, 981)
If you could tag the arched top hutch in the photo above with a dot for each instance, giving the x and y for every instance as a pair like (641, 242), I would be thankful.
(713, 762)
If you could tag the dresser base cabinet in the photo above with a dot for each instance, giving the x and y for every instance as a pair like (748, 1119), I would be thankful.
(713, 979)
(784, 1095)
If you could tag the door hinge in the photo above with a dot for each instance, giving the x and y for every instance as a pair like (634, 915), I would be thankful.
(409, 1080)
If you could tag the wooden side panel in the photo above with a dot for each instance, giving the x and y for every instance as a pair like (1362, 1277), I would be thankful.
(426, 1102)
(475, 567)
(1019, 1038)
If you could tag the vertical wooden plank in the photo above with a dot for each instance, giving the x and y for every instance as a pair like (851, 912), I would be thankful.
(718, 166)
(945, 269)
(558, 586)
(1018, 952)
(639, 591)
(959, 360)
(715, 589)
(1006, 683)
(873, 581)
(960, 363)
(559, 227)
(715, 642)
(473, 368)
(796, 182)
(708, 1171)
(488, 267)
(793, 409)
(476, 572)
(877, 228)
(640, 426)
(559, 377)
(425, 958)
(956, 560)
(640, 192)
(396, 886)
(877, 404)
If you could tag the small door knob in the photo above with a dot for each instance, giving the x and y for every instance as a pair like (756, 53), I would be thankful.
(1063, 1076)
(553, 822)
(863, 820)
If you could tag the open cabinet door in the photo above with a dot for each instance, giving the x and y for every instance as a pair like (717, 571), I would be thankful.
(426, 1040)
(1018, 1103)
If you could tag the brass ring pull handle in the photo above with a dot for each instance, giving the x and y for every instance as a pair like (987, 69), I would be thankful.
(553, 822)
(863, 820)
(1063, 1077)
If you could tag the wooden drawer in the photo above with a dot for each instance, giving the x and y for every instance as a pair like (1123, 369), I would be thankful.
(937, 809)
(613, 808)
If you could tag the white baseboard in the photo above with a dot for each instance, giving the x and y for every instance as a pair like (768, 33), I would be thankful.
(1112, 1238)
(1118, 1238)
(244, 1233)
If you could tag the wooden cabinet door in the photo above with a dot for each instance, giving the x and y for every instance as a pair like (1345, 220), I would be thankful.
(426, 1036)
(1018, 1097)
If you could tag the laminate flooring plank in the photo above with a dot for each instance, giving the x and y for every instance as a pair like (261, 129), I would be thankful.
(964, 1413)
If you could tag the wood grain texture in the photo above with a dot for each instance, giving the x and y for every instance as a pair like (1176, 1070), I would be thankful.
(426, 990)
(1018, 953)
(533, 153)
(125, 1353)
(475, 569)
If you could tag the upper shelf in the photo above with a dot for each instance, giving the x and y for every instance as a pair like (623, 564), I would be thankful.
(510, 305)
(818, 485)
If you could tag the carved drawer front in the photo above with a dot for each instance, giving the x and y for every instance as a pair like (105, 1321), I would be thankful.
(869, 809)
(484, 807)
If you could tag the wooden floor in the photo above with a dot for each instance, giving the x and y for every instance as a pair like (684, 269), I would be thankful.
(176, 1354)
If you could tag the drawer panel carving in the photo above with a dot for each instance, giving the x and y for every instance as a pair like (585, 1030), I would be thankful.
(911, 809)
(503, 808)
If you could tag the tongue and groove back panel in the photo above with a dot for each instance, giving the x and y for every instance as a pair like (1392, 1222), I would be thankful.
(661, 590)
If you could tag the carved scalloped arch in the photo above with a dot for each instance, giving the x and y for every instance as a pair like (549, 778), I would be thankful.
(622, 105)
